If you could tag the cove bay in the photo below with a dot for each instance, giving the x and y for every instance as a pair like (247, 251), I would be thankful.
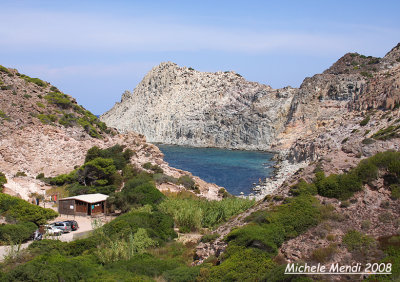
(234, 170)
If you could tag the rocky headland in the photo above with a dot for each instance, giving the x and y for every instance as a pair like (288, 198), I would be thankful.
(179, 105)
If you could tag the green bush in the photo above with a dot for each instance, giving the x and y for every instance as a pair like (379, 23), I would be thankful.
(73, 248)
(59, 99)
(46, 246)
(392, 255)
(63, 179)
(4, 69)
(366, 171)
(78, 189)
(302, 187)
(187, 181)
(68, 120)
(395, 191)
(99, 172)
(40, 176)
(4, 116)
(322, 254)
(147, 165)
(47, 119)
(242, 264)
(144, 264)
(20, 174)
(54, 267)
(365, 121)
(366, 74)
(182, 274)
(3, 180)
(159, 226)
(138, 191)
(338, 186)
(88, 127)
(78, 247)
(124, 249)
(344, 185)
(34, 80)
(282, 223)
(20, 210)
(163, 178)
(154, 167)
(356, 241)
(387, 133)
(368, 141)
(209, 237)
(16, 233)
(54, 89)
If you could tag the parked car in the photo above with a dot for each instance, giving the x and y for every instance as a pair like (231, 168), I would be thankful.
(52, 231)
(74, 224)
(63, 226)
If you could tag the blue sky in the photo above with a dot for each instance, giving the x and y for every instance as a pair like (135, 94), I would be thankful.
(94, 50)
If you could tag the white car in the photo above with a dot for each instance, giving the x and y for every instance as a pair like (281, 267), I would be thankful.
(52, 231)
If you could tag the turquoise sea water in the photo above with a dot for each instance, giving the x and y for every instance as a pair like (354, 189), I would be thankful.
(232, 169)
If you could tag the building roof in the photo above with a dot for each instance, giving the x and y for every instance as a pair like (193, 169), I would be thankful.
(88, 198)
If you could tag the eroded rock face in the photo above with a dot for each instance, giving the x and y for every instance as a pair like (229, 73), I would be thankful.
(178, 105)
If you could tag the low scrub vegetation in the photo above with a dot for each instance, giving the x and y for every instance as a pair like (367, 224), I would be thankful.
(343, 186)
(59, 99)
(4, 116)
(392, 131)
(22, 219)
(3, 180)
(138, 191)
(191, 214)
(18, 210)
(138, 245)
(4, 70)
(324, 254)
(47, 119)
(365, 121)
(155, 168)
(16, 233)
(356, 241)
(72, 114)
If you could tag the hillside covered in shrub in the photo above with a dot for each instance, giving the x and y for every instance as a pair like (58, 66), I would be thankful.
(22, 219)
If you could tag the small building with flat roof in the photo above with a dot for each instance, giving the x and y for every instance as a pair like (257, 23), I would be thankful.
(89, 204)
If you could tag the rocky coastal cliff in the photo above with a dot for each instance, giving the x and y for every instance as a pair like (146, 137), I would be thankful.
(178, 105)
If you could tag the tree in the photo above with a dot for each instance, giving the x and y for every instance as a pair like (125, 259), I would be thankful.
(96, 169)
(141, 241)
(3, 180)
